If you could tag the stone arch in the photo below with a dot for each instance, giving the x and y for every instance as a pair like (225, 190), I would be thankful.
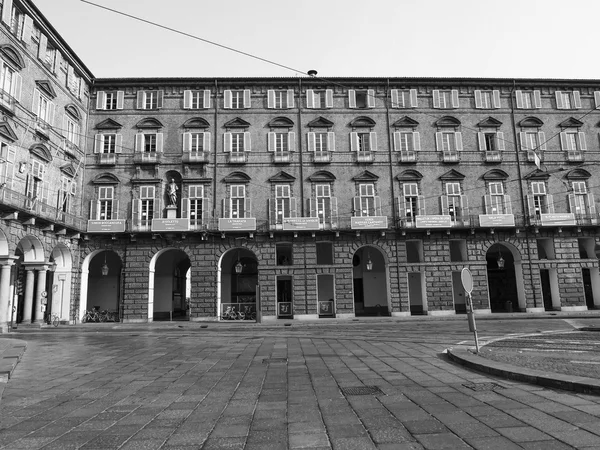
(504, 283)
(161, 294)
(32, 249)
(4, 248)
(370, 273)
(226, 277)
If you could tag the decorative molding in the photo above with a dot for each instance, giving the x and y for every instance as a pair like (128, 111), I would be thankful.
(282, 177)
(7, 132)
(46, 87)
(578, 174)
(237, 177)
(13, 56)
(366, 176)
(196, 122)
(281, 122)
(405, 122)
(73, 111)
(41, 152)
(108, 124)
(571, 122)
(236, 123)
(531, 122)
(490, 122)
(106, 178)
(447, 121)
(363, 121)
(409, 175)
(495, 174)
(322, 176)
(452, 175)
(320, 122)
(149, 122)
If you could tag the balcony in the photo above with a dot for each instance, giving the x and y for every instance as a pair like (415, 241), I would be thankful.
(196, 157)
(237, 158)
(322, 157)
(450, 157)
(282, 157)
(70, 148)
(7, 102)
(574, 156)
(107, 159)
(364, 157)
(493, 157)
(42, 129)
(408, 157)
(147, 158)
(531, 156)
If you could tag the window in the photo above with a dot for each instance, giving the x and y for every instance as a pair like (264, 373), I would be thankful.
(496, 202)
(50, 56)
(407, 141)
(284, 254)
(572, 141)
(448, 141)
(43, 108)
(106, 210)
(528, 99)
(65, 194)
(146, 206)
(324, 253)
(412, 201)
(568, 100)
(110, 100)
(8, 154)
(538, 201)
(281, 99)
(404, 98)
(363, 141)
(487, 99)
(239, 99)
(361, 99)
(281, 142)
(491, 141)
(237, 142)
(454, 206)
(196, 142)
(196, 205)
(36, 187)
(71, 130)
(445, 99)
(366, 204)
(283, 207)
(150, 142)
(321, 141)
(108, 143)
(237, 201)
(150, 99)
(316, 99)
(17, 21)
(533, 140)
(196, 99)
(581, 203)
(323, 197)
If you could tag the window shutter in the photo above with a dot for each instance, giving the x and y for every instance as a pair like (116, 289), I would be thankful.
(248, 211)
(356, 212)
(187, 99)
(496, 98)
(373, 141)
(413, 98)
(559, 100)
(537, 99)
(458, 141)
(225, 210)
(564, 143)
(51, 111)
(247, 99)
(227, 99)
(481, 140)
(444, 204)
(487, 202)
(397, 141)
(353, 141)
(206, 141)
(334, 212)
(582, 143)
(290, 98)
(311, 141)
(542, 140)
(271, 141)
(436, 98)
(500, 140)
(293, 207)
(371, 98)
(136, 212)
(438, 141)
(139, 142)
(160, 99)
(523, 141)
(572, 206)
(227, 142)
(141, 95)
(455, 102)
(94, 209)
(378, 206)
(328, 98)
(550, 203)
(100, 100)
(478, 99)
(35, 106)
(206, 102)
(292, 141)
(98, 143)
(7, 12)
(507, 205)
(120, 99)
(352, 98)
(416, 141)
(119, 143)
(331, 141)
(421, 204)
(464, 205)
(591, 205)
(531, 205)
(312, 207)
(270, 98)
(272, 214)
(187, 142)
(43, 45)
(597, 99)
(401, 207)
(17, 85)
(519, 97)
(247, 142)
(157, 205)
(159, 142)
(577, 99)
(310, 99)
(205, 211)
(185, 207)
(395, 98)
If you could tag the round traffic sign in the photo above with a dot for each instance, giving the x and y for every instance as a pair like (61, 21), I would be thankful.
(467, 280)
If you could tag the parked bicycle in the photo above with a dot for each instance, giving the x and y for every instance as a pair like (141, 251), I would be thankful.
(231, 314)
(53, 320)
(95, 315)
(249, 313)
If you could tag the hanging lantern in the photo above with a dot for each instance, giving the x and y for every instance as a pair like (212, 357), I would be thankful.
(104, 268)
(238, 265)
(369, 262)
(500, 261)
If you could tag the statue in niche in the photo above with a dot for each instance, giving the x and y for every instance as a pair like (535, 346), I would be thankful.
(172, 189)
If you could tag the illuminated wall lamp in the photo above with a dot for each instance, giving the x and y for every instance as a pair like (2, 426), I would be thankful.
(238, 265)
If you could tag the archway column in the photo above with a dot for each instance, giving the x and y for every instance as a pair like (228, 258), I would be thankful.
(28, 294)
(38, 315)
(5, 297)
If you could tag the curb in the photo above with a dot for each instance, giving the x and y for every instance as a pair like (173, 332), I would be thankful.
(465, 356)
(11, 352)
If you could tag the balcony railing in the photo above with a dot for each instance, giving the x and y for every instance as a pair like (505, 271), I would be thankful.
(574, 156)
(322, 157)
(196, 157)
(282, 157)
(107, 159)
(70, 148)
(450, 157)
(237, 158)
(34, 207)
(493, 157)
(408, 157)
(531, 156)
(364, 157)
(42, 128)
(7, 102)
(147, 158)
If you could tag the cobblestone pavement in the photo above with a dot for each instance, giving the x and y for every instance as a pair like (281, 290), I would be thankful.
(281, 387)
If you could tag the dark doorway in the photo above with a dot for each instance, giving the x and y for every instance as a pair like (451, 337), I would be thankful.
(587, 288)
(546, 292)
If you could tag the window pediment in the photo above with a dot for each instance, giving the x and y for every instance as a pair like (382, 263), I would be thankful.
(495, 174)
(452, 175)
(322, 176)
(46, 87)
(405, 122)
(320, 122)
(571, 122)
(363, 121)
(149, 122)
(531, 122)
(41, 152)
(366, 176)
(578, 174)
(106, 178)
(237, 177)
(281, 122)
(537, 174)
(282, 177)
(490, 122)
(68, 170)
(73, 111)
(409, 175)
(13, 56)
(237, 123)
(7, 132)
(196, 122)
(108, 124)
(448, 121)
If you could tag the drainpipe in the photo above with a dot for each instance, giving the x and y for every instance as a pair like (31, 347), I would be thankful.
(521, 191)
(300, 158)
(216, 114)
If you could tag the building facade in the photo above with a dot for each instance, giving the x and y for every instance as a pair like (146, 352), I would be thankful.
(294, 198)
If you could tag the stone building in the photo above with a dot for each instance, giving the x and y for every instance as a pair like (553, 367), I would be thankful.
(304, 198)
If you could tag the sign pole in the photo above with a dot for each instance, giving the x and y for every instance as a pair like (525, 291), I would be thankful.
(467, 282)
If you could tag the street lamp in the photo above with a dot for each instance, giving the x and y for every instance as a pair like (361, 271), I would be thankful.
(104, 268)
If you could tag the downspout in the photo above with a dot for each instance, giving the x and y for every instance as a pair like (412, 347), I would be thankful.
(521, 191)
(300, 158)
(216, 113)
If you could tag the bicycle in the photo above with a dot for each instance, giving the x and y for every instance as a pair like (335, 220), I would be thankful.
(54, 320)
(231, 314)
(91, 315)
(249, 313)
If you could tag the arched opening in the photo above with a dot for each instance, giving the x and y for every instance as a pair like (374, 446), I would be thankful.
(59, 283)
(369, 274)
(102, 273)
(239, 281)
(30, 281)
(169, 280)
(505, 280)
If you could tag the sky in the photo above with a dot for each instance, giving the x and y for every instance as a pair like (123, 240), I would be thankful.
(337, 38)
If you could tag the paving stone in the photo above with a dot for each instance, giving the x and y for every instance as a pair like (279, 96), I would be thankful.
(439, 441)
(523, 434)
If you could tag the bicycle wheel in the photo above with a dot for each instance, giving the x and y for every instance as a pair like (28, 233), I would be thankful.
(85, 318)
(55, 320)
(253, 316)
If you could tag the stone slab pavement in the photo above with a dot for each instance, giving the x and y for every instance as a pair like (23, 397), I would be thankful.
(364, 385)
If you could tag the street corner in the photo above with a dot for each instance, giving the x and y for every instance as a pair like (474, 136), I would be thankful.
(11, 352)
